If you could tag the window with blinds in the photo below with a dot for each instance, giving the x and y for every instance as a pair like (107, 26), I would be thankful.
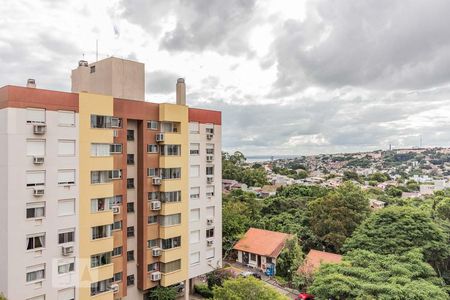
(194, 258)
(170, 173)
(194, 149)
(66, 147)
(210, 191)
(194, 237)
(195, 214)
(35, 273)
(99, 232)
(66, 177)
(195, 192)
(66, 118)
(194, 171)
(66, 207)
(35, 210)
(66, 294)
(66, 236)
(35, 241)
(209, 148)
(66, 266)
(210, 211)
(194, 127)
(167, 197)
(35, 116)
(210, 253)
(100, 149)
(35, 147)
(170, 220)
(171, 243)
(170, 266)
(35, 178)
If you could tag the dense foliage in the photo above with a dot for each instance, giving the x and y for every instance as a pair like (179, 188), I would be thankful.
(246, 288)
(235, 168)
(162, 293)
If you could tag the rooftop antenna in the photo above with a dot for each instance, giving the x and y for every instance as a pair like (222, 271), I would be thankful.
(96, 50)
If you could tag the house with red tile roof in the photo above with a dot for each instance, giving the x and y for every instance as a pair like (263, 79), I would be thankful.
(315, 258)
(259, 248)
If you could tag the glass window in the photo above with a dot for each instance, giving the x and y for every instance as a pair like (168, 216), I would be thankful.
(130, 135)
(35, 116)
(130, 183)
(153, 125)
(36, 241)
(35, 210)
(117, 251)
(117, 277)
(152, 148)
(152, 219)
(171, 150)
(35, 178)
(210, 233)
(100, 149)
(171, 243)
(153, 172)
(66, 177)
(35, 273)
(66, 266)
(130, 231)
(194, 171)
(130, 207)
(170, 266)
(167, 197)
(210, 253)
(130, 159)
(170, 220)
(195, 192)
(171, 173)
(117, 225)
(99, 232)
(100, 259)
(130, 255)
(115, 148)
(101, 286)
(194, 149)
(195, 214)
(153, 267)
(194, 127)
(66, 236)
(130, 280)
(194, 237)
(194, 258)
(153, 243)
(102, 204)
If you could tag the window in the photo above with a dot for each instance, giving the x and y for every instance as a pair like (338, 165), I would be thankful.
(170, 173)
(252, 256)
(170, 127)
(130, 255)
(195, 214)
(99, 232)
(152, 172)
(92, 69)
(35, 116)
(117, 225)
(195, 192)
(209, 128)
(170, 196)
(117, 200)
(210, 211)
(153, 267)
(170, 150)
(171, 243)
(100, 259)
(35, 273)
(130, 183)
(100, 149)
(66, 236)
(130, 280)
(105, 122)
(101, 286)
(153, 196)
(210, 253)
(130, 231)
(152, 219)
(194, 149)
(153, 243)
(66, 118)
(42, 297)
(35, 178)
(210, 233)
(117, 251)
(66, 177)
(194, 171)
(66, 207)
(194, 237)
(210, 170)
(151, 148)
(153, 125)
(130, 159)
(66, 266)
(170, 266)
(210, 191)
(36, 147)
(35, 241)
(130, 207)
(115, 148)
(170, 220)
(98, 177)
(67, 294)
(194, 258)
(130, 135)
(117, 277)
(101, 204)
(209, 148)
(194, 127)
(35, 210)
(66, 147)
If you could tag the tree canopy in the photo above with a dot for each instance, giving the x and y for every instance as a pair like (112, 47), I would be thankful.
(235, 168)
(246, 288)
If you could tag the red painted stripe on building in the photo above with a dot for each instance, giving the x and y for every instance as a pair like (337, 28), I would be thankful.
(205, 116)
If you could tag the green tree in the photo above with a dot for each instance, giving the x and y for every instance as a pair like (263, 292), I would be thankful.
(234, 167)
(335, 216)
(378, 177)
(443, 209)
(2, 297)
(366, 275)
(217, 277)
(351, 175)
(289, 259)
(246, 288)
(162, 293)
(395, 230)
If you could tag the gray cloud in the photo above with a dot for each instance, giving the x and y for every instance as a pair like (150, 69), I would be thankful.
(161, 82)
(379, 44)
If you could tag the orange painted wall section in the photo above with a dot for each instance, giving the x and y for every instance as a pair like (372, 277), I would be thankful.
(205, 116)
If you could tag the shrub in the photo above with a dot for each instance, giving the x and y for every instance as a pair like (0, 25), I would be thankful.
(203, 290)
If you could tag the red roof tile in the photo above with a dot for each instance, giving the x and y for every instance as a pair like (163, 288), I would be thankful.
(262, 242)
(315, 258)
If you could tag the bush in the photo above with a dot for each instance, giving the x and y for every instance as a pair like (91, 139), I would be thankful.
(203, 290)
(280, 280)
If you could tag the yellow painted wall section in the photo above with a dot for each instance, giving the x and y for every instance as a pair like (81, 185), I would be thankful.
(90, 104)
(177, 113)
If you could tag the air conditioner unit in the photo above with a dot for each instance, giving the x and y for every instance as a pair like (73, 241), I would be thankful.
(38, 160)
(209, 136)
(115, 122)
(115, 288)
(156, 252)
(210, 242)
(155, 205)
(159, 137)
(209, 179)
(116, 209)
(66, 250)
(38, 192)
(209, 158)
(39, 128)
(156, 181)
(155, 276)
(209, 221)
(116, 174)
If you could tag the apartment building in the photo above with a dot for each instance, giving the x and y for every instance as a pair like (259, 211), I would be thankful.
(105, 195)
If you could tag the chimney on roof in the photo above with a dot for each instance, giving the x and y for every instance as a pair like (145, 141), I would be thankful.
(181, 91)
(31, 83)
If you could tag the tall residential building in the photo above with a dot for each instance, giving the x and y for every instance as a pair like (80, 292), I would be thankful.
(104, 195)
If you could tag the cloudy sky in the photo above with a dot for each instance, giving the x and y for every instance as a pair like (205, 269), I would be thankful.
(290, 76)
